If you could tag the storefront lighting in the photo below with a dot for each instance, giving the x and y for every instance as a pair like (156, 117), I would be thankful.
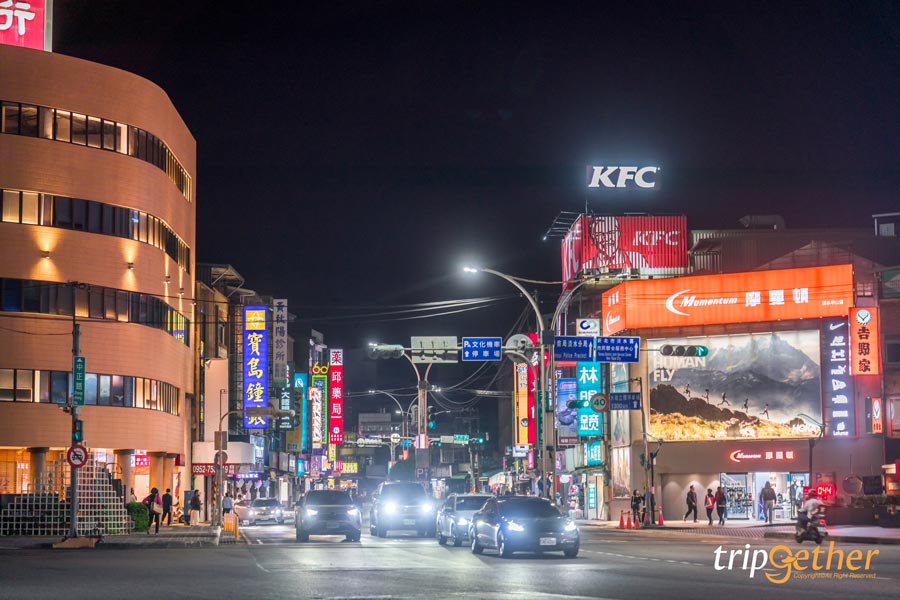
(131, 266)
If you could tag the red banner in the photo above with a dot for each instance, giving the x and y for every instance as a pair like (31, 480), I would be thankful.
(757, 296)
(22, 24)
(336, 398)
(649, 245)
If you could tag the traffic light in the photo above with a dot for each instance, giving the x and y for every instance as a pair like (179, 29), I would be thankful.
(77, 431)
(385, 351)
(675, 350)
(584, 403)
(431, 422)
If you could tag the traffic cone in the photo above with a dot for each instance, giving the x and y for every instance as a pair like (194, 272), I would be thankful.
(660, 515)
(621, 519)
(637, 523)
(629, 520)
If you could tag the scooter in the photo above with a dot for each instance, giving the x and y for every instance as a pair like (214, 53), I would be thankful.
(815, 528)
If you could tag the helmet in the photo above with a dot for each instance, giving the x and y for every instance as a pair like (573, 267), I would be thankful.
(812, 494)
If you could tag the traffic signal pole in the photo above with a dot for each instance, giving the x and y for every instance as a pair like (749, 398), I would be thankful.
(73, 412)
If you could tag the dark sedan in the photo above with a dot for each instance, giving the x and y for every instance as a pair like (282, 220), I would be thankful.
(523, 523)
(327, 512)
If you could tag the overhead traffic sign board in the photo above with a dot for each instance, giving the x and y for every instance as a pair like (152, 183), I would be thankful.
(625, 401)
(482, 348)
(570, 347)
(461, 438)
(618, 349)
(433, 349)
(77, 456)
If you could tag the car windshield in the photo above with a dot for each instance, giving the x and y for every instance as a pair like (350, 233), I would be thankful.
(401, 491)
(470, 502)
(328, 497)
(527, 509)
(266, 502)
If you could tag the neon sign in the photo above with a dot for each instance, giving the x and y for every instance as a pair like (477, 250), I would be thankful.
(256, 365)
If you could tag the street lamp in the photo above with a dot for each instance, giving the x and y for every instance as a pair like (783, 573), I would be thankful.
(543, 337)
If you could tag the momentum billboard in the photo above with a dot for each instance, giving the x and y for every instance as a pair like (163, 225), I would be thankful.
(755, 296)
(648, 245)
(749, 386)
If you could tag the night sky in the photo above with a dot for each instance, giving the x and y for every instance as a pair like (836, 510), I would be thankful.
(359, 153)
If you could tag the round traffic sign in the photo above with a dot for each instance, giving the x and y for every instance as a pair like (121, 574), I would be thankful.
(221, 458)
(77, 456)
(599, 403)
(395, 438)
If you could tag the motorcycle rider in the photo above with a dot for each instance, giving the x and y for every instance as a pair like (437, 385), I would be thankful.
(809, 509)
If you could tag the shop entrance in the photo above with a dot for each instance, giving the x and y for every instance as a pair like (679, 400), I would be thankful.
(745, 503)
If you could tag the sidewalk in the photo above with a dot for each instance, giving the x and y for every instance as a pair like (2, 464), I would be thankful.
(176, 536)
(750, 529)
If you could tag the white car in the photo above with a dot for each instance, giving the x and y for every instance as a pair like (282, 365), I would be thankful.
(455, 516)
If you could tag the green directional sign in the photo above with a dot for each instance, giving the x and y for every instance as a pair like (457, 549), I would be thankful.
(461, 438)
(78, 381)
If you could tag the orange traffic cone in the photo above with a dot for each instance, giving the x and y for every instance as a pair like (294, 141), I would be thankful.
(637, 523)
(628, 526)
(621, 519)
(660, 515)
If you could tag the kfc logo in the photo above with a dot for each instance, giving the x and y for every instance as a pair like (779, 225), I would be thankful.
(619, 177)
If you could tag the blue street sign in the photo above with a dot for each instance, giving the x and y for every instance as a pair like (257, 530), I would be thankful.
(482, 348)
(625, 401)
(570, 347)
(618, 349)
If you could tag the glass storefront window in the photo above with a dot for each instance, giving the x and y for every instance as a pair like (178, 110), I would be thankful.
(7, 385)
(104, 390)
(59, 386)
(117, 392)
(29, 208)
(24, 385)
(90, 388)
(63, 126)
(10, 206)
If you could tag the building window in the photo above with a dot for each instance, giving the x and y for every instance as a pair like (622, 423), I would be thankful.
(892, 351)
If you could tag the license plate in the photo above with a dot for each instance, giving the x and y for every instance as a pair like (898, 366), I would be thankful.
(409, 521)
(331, 524)
(548, 541)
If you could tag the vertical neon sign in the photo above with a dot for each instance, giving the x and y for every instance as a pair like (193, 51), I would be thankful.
(256, 365)
(336, 404)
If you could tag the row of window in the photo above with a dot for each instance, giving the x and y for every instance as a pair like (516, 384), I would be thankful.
(75, 128)
(94, 302)
(33, 208)
(27, 385)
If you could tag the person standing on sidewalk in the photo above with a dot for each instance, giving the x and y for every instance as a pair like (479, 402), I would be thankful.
(709, 503)
(155, 509)
(227, 503)
(196, 505)
(636, 502)
(167, 506)
(721, 504)
(768, 497)
(691, 504)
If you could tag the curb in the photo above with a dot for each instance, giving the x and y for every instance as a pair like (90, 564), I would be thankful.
(847, 539)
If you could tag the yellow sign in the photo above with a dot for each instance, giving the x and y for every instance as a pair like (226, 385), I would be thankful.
(350, 467)
(256, 320)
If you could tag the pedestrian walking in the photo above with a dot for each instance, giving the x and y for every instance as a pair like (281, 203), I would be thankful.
(724, 401)
(636, 501)
(195, 508)
(132, 497)
(691, 504)
(228, 503)
(709, 503)
(721, 504)
(765, 410)
(746, 403)
(167, 506)
(768, 497)
(154, 507)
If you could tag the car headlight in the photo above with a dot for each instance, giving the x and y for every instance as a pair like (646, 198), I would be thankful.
(513, 526)
(311, 511)
(390, 507)
(427, 507)
(278, 512)
(250, 512)
(462, 521)
(570, 526)
(353, 511)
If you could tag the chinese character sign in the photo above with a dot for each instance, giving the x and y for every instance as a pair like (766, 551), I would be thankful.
(865, 344)
(336, 403)
(317, 406)
(279, 338)
(22, 23)
(590, 423)
(593, 454)
(301, 387)
(256, 365)
(837, 383)
(520, 393)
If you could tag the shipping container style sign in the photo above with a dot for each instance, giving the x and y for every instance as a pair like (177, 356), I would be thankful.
(757, 296)
(749, 386)
(336, 404)
(520, 398)
(865, 342)
(645, 245)
(27, 23)
(256, 365)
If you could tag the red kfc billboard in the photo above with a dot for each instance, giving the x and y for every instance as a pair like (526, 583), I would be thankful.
(25, 23)
(649, 245)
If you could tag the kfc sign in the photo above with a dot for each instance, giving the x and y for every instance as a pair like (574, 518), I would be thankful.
(646, 245)
(25, 23)
(622, 177)
(809, 293)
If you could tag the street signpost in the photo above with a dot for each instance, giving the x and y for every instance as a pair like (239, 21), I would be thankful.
(625, 401)
(77, 456)
(461, 438)
(599, 403)
(618, 349)
(482, 348)
(78, 381)
(520, 451)
(570, 347)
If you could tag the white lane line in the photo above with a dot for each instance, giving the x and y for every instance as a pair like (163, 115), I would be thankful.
(259, 542)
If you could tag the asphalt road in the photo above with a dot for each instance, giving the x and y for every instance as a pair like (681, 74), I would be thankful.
(611, 564)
